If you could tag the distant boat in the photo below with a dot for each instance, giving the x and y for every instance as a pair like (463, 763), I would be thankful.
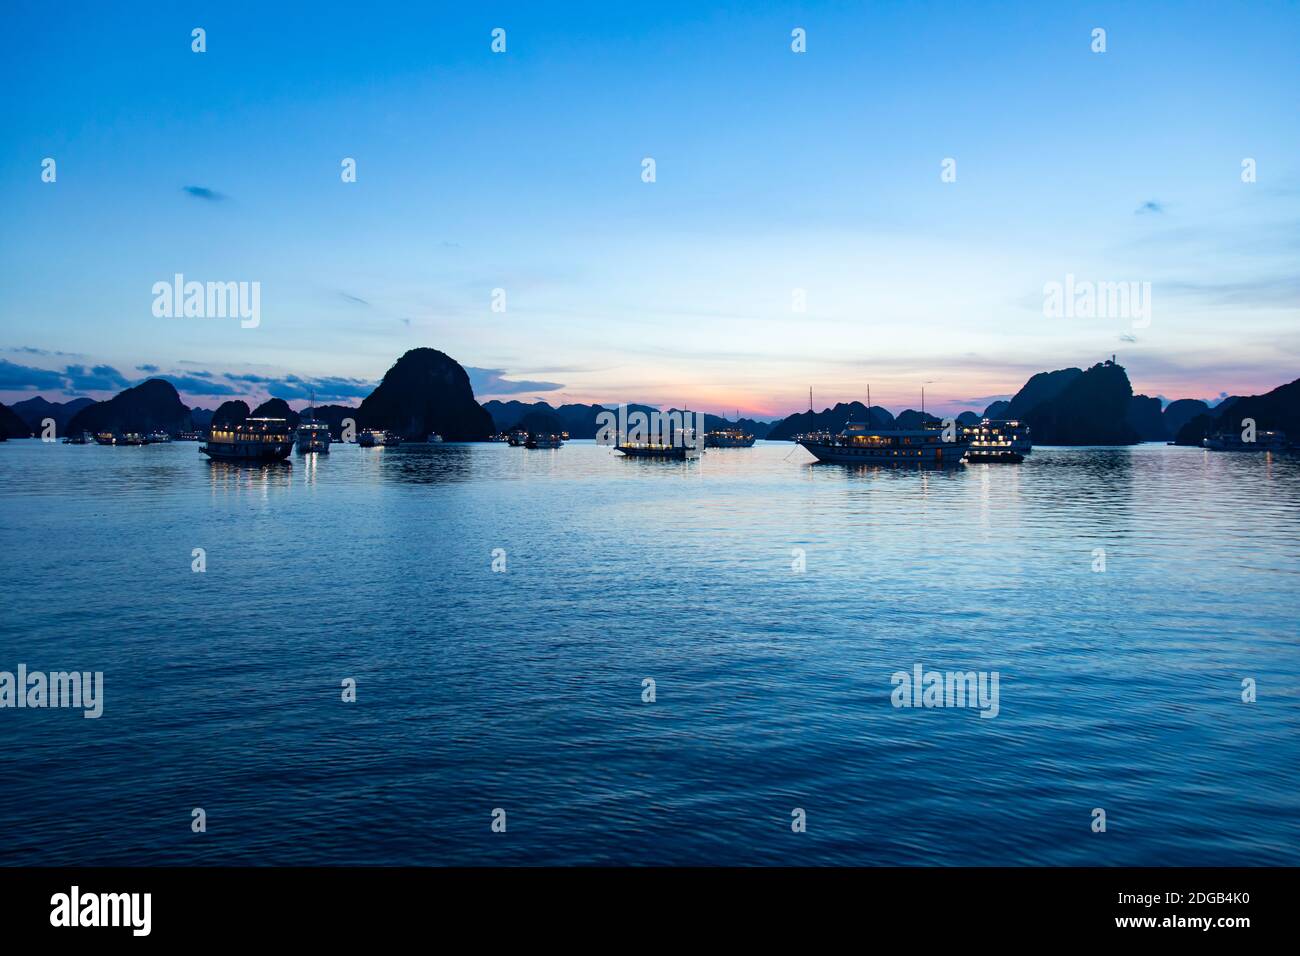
(106, 438)
(657, 450)
(517, 438)
(544, 441)
(84, 438)
(133, 438)
(501, 437)
(1232, 441)
(312, 436)
(728, 438)
(434, 438)
(158, 437)
(253, 440)
(998, 440)
(377, 438)
(859, 444)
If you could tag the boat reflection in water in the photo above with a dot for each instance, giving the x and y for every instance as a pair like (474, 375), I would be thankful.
(252, 441)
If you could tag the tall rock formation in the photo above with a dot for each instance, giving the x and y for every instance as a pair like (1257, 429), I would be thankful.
(426, 391)
(153, 405)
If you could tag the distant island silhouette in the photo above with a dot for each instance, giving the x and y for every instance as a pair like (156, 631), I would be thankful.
(428, 391)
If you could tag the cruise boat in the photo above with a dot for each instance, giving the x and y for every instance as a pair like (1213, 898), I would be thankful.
(517, 438)
(377, 438)
(653, 450)
(82, 438)
(253, 440)
(1232, 441)
(860, 444)
(158, 437)
(998, 440)
(132, 438)
(731, 437)
(728, 438)
(544, 441)
(434, 438)
(312, 436)
(106, 438)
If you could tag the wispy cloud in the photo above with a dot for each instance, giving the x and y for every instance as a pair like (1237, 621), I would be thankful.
(290, 387)
(18, 378)
(492, 381)
(1267, 291)
(353, 298)
(203, 192)
(99, 378)
(30, 350)
(1148, 207)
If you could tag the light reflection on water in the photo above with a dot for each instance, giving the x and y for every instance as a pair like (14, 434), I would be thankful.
(523, 690)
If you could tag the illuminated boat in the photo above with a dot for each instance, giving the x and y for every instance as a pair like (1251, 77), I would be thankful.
(312, 436)
(1232, 441)
(728, 438)
(997, 440)
(252, 440)
(859, 444)
(543, 441)
(377, 438)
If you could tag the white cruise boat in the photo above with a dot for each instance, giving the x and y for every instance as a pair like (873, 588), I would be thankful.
(312, 436)
(998, 440)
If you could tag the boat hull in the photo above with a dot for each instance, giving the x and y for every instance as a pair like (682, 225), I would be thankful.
(671, 452)
(728, 442)
(248, 452)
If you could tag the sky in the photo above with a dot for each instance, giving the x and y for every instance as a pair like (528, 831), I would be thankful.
(778, 177)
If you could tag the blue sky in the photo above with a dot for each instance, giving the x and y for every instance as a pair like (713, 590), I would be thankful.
(775, 171)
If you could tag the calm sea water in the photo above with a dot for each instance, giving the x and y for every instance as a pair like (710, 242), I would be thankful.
(523, 690)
